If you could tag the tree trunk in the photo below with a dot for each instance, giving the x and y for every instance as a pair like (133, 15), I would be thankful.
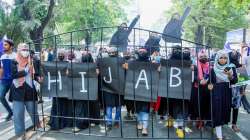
(199, 37)
(37, 38)
(36, 35)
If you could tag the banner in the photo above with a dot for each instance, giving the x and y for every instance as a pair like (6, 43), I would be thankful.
(71, 80)
(55, 77)
(142, 80)
(175, 79)
(112, 74)
(243, 78)
(145, 81)
(83, 81)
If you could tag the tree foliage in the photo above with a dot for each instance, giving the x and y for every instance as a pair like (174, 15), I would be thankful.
(215, 16)
(83, 14)
(30, 20)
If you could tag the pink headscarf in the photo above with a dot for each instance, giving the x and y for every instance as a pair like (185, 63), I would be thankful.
(22, 62)
(202, 68)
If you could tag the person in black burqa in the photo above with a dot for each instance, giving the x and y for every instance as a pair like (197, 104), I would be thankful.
(223, 75)
(120, 37)
(176, 109)
(85, 108)
(173, 30)
(60, 105)
(111, 99)
(142, 108)
(94, 106)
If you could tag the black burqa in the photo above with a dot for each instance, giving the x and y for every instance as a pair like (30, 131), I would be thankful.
(120, 37)
(153, 43)
(173, 30)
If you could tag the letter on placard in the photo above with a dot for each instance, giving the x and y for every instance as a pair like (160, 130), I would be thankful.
(58, 80)
(110, 77)
(172, 75)
(83, 83)
(142, 77)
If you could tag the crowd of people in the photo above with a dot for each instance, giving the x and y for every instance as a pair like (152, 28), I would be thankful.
(211, 102)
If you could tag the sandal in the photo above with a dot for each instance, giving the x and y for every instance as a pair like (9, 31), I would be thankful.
(235, 128)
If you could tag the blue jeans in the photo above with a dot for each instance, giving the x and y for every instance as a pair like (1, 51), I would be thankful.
(19, 115)
(109, 114)
(143, 119)
(4, 88)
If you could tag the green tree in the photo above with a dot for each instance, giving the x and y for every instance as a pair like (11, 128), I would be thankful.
(34, 16)
(215, 17)
(9, 23)
(83, 14)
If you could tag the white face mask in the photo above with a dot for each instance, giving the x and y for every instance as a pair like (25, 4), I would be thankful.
(104, 54)
(24, 53)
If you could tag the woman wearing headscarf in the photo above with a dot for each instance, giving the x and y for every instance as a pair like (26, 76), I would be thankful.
(83, 108)
(142, 107)
(22, 91)
(94, 106)
(200, 97)
(234, 58)
(222, 76)
(60, 105)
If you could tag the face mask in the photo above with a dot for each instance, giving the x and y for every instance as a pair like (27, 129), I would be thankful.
(234, 56)
(24, 53)
(104, 54)
(113, 54)
(127, 57)
(203, 60)
(61, 58)
(158, 59)
(142, 56)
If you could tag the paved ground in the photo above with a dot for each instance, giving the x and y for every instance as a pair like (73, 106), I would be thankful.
(128, 130)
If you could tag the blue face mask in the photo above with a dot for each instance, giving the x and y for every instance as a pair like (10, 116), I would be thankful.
(158, 59)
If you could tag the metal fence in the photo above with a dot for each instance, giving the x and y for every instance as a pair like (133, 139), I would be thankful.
(65, 109)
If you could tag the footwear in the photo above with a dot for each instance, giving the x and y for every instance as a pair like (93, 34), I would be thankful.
(248, 111)
(9, 117)
(169, 122)
(188, 130)
(40, 101)
(92, 124)
(109, 127)
(139, 126)
(144, 132)
(161, 118)
(199, 124)
(116, 125)
(160, 122)
(235, 128)
(128, 117)
(76, 129)
(180, 133)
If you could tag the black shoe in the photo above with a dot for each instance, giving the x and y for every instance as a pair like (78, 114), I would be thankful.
(161, 118)
(9, 117)
(116, 125)
(128, 117)
(40, 101)
(109, 127)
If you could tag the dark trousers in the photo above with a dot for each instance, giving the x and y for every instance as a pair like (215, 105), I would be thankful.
(235, 115)
(245, 103)
(4, 88)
